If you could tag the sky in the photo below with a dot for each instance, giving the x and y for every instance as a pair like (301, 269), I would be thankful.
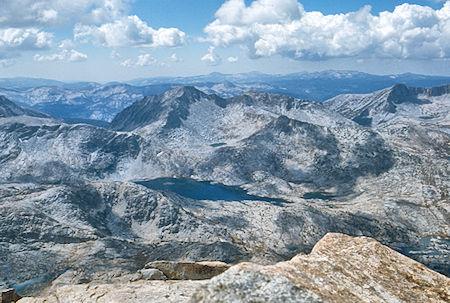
(117, 40)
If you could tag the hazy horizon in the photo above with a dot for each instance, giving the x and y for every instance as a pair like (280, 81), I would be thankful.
(205, 75)
(121, 40)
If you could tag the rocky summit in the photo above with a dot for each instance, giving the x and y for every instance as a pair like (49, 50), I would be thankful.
(339, 269)
(188, 177)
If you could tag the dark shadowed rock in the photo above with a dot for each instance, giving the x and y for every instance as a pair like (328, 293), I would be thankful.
(8, 296)
(188, 270)
(10, 109)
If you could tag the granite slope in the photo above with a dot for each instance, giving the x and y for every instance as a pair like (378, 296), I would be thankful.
(68, 200)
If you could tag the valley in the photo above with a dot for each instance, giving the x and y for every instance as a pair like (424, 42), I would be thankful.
(189, 176)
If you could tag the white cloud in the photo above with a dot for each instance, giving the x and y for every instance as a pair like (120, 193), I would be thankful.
(145, 60)
(104, 22)
(174, 58)
(232, 59)
(13, 39)
(65, 55)
(115, 55)
(42, 13)
(106, 10)
(211, 58)
(283, 27)
(130, 31)
(66, 44)
(141, 61)
(127, 63)
(7, 62)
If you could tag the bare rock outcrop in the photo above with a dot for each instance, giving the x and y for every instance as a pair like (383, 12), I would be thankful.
(135, 292)
(340, 268)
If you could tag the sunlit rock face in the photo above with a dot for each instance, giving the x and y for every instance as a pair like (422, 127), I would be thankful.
(339, 269)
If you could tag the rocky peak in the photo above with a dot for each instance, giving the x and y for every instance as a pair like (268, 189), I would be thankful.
(259, 98)
(183, 94)
(137, 114)
(382, 106)
(401, 93)
(171, 106)
(285, 125)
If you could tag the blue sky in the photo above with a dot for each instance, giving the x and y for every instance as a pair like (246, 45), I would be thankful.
(108, 40)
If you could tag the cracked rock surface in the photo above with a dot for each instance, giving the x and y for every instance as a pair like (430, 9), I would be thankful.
(339, 269)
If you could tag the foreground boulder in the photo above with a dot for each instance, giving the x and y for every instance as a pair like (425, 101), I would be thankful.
(340, 268)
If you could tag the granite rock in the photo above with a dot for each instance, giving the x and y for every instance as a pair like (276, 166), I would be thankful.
(339, 269)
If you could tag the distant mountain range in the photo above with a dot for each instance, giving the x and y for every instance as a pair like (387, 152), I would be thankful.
(95, 101)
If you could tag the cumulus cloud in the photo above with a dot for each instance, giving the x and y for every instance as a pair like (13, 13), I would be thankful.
(66, 44)
(65, 55)
(141, 61)
(42, 13)
(130, 31)
(15, 39)
(7, 62)
(211, 58)
(282, 27)
(106, 10)
(115, 55)
(128, 63)
(174, 58)
(145, 60)
(232, 59)
(104, 22)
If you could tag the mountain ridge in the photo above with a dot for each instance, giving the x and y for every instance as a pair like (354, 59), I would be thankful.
(379, 107)
(90, 100)
(10, 109)
(69, 196)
